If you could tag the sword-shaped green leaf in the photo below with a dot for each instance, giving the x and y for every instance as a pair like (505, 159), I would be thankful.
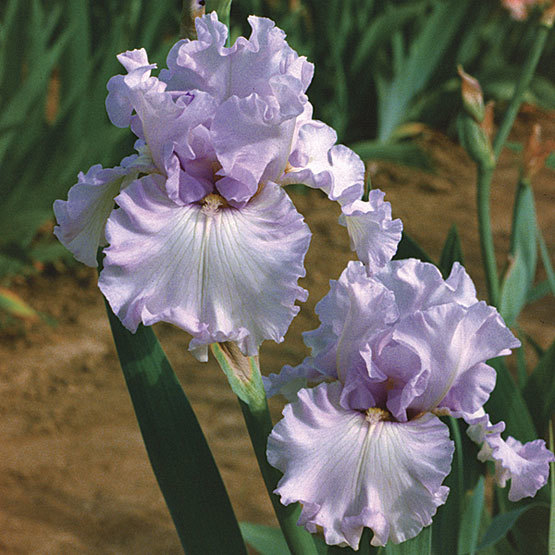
(178, 452)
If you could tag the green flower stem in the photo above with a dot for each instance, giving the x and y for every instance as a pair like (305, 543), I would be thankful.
(521, 87)
(455, 430)
(243, 374)
(259, 426)
(485, 173)
(486, 168)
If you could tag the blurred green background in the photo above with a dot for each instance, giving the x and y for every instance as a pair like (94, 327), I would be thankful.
(379, 64)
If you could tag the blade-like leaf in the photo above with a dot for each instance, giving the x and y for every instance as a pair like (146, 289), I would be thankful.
(539, 291)
(523, 233)
(539, 391)
(181, 459)
(501, 525)
(514, 289)
(447, 519)
(15, 306)
(546, 260)
(380, 30)
(407, 154)
(409, 248)
(267, 540)
(425, 54)
(421, 545)
(471, 517)
(506, 403)
(451, 253)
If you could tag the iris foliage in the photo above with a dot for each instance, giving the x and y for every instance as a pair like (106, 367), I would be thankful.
(379, 65)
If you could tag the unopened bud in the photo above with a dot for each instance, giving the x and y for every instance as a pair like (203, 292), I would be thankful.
(536, 152)
(473, 99)
(518, 8)
(488, 122)
(548, 15)
(191, 10)
(475, 141)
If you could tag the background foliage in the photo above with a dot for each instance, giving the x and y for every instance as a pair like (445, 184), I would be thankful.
(380, 65)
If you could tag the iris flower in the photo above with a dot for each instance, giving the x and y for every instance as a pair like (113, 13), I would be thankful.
(203, 235)
(397, 348)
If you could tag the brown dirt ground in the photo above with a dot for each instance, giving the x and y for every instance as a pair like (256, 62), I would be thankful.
(74, 476)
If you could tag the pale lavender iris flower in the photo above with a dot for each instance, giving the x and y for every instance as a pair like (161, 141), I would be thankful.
(397, 347)
(203, 235)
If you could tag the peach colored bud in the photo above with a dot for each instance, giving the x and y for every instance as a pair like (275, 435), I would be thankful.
(487, 123)
(548, 16)
(472, 96)
(518, 8)
(195, 9)
(536, 152)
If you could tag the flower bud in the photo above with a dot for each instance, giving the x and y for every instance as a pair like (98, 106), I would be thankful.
(487, 123)
(535, 153)
(473, 99)
(548, 15)
(475, 141)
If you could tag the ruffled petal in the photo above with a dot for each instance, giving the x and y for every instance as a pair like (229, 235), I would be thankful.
(291, 379)
(220, 273)
(252, 141)
(356, 308)
(118, 102)
(82, 217)
(349, 473)
(200, 64)
(419, 285)
(527, 466)
(374, 235)
(453, 343)
(316, 162)
(169, 123)
(264, 64)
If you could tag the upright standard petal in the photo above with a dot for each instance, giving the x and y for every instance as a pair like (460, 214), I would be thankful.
(82, 217)
(251, 143)
(355, 309)
(220, 273)
(453, 343)
(254, 65)
(351, 470)
(419, 285)
(118, 102)
(374, 235)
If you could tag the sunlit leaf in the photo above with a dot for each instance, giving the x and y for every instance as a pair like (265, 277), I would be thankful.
(267, 540)
(421, 545)
(523, 233)
(546, 260)
(406, 153)
(15, 306)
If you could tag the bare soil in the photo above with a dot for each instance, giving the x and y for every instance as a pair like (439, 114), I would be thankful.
(74, 476)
